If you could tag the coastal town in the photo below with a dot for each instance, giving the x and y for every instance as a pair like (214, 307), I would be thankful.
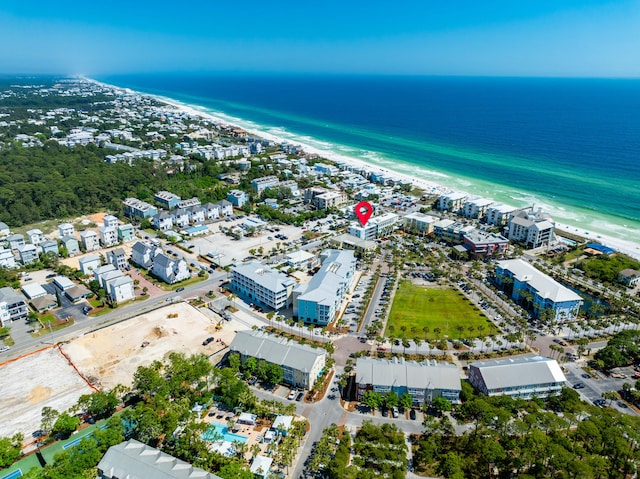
(216, 301)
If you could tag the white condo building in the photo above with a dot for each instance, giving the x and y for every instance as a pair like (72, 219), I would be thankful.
(257, 283)
(376, 227)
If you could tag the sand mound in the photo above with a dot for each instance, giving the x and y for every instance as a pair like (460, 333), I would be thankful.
(39, 394)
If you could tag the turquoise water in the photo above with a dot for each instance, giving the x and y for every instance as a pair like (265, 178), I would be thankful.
(222, 431)
(570, 146)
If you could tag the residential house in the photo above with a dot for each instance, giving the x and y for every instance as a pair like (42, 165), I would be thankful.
(71, 243)
(225, 208)
(126, 233)
(110, 221)
(630, 277)
(15, 241)
(142, 254)
(90, 240)
(196, 214)
(118, 258)
(211, 211)
(101, 272)
(237, 198)
(262, 285)
(108, 236)
(302, 364)
(66, 229)
(523, 377)
(35, 236)
(89, 263)
(180, 218)
(539, 293)
(170, 270)
(163, 221)
(120, 289)
(15, 305)
(4, 230)
(133, 459)
(28, 254)
(7, 260)
(423, 381)
(261, 466)
(49, 246)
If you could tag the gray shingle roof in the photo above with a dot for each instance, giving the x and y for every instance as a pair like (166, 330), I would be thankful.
(276, 350)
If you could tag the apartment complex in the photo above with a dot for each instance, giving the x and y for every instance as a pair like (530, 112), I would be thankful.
(318, 301)
(262, 285)
(301, 364)
(424, 381)
(520, 377)
(376, 227)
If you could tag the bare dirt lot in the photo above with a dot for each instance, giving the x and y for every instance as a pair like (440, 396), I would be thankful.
(33, 382)
(110, 356)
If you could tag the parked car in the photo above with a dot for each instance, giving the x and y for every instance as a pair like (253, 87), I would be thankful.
(394, 412)
(412, 414)
(292, 395)
(578, 386)
(179, 290)
(300, 396)
(207, 341)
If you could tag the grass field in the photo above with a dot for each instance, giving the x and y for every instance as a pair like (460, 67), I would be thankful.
(434, 313)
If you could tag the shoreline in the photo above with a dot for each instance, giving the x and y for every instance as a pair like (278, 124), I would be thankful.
(624, 246)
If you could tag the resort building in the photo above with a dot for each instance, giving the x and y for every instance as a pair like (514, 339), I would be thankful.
(424, 381)
(90, 240)
(262, 285)
(451, 231)
(453, 202)
(133, 459)
(476, 207)
(301, 364)
(318, 301)
(537, 291)
(166, 199)
(484, 245)
(376, 227)
(135, 208)
(498, 214)
(13, 304)
(518, 377)
(418, 223)
(532, 230)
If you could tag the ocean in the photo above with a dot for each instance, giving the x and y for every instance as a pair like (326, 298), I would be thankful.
(570, 146)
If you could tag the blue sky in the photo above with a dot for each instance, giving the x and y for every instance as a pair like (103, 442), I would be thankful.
(489, 37)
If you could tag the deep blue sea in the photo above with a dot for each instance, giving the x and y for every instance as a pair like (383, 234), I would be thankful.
(571, 146)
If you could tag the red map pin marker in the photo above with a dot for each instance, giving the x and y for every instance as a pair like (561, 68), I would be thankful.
(364, 210)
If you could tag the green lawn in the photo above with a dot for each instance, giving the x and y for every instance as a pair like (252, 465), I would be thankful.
(422, 311)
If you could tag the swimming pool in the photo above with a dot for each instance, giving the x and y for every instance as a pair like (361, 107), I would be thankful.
(218, 431)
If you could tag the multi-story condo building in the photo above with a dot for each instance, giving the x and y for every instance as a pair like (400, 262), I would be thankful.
(484, 245)
(498, 214)
(419, 223)
(537, 291)
(453, 202)
(302, 364)
(166, 199)
(532, 230)
(330, 199)
(135, 208)
(318, 301)
(264, 183)
(451, 231)
(523, 377)
(262, 285)
(476, 207)
(90, 240)
(376, 227)
(424, 381)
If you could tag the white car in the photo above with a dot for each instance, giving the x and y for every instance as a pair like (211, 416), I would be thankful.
(292, 395)
(4, 348)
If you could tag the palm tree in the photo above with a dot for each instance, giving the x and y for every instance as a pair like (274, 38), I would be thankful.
(418, 343)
